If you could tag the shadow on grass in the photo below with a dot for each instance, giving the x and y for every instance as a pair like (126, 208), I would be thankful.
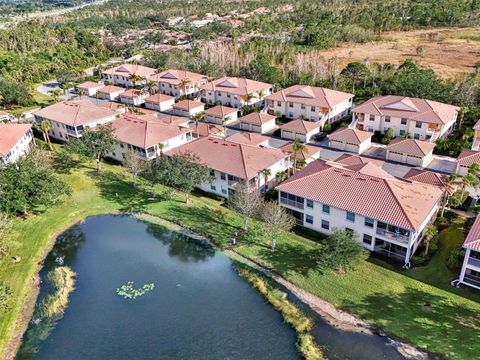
(432, 320)
(115, 187)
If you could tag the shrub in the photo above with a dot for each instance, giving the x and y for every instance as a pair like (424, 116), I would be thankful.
(455, 258)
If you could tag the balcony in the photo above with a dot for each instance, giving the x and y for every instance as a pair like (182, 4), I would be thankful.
(292, 203)
(393, 236)
(473, 262)
(395, 254)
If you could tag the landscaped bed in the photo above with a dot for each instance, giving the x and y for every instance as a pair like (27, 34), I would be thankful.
(437, 318)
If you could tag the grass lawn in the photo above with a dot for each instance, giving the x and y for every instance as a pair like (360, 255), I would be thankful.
(397, 302)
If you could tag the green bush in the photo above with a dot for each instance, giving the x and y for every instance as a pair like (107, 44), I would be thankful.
(455, 258)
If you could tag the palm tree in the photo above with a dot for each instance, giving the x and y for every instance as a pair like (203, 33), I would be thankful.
(161, 146)
(56, 94)
(45, 126)
(297, 147)
(151, 87)
(197, 118)
(81, 93)
(280, 176)
(260, 94)
(430, 233)
(134, 78)
(183, 85)
(225, 120)
(249, 97)
(265, 173)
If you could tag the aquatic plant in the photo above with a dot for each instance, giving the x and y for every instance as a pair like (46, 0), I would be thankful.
(291, 314)
(127, 291)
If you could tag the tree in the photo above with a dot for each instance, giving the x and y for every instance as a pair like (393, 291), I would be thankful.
(340, 251)
(151, 87)
(198, 118)
(280, 176)
(355, 72)
(265, 173)
(249, 97)
(81, 93)
(134, 164)
(94, 144)
(56, 94)
(183, 85)
(134, 78)
(183, 172)
(276, 221)
(297, 147)
(388, 136)
(30, 184)
(430, 232)
(45, 127)
(246, 201)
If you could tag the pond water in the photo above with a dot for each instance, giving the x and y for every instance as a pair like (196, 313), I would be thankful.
(199, 309)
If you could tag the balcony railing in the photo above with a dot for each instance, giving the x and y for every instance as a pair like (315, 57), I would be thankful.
(292, 203)
(474, 262)
(393, 236)
(389, 253)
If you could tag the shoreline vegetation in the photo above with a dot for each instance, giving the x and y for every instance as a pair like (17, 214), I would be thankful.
(364, 293)
(293, 316)
(49, 311)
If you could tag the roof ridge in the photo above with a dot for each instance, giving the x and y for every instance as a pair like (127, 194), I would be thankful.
(243, 161)
(325, 96)
(398, 202)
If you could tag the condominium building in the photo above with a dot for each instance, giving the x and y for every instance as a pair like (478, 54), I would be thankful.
(16, 141)
(122, 74)
(422, 119)
(387, 215)
(470, 273)
(179, 82)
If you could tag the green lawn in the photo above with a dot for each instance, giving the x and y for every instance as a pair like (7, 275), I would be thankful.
(394, 301)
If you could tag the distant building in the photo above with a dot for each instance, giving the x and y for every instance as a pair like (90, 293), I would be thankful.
(221, 115)
(133, 97)
(110, 92)
(179, 82)
(120, 75)
(410, 151)
(188, 108)
(257, 122)
(299, 130)
(159, 102)
(352, 140)
(316, 104)
(16, 140)
(424, 120)
(88, 88)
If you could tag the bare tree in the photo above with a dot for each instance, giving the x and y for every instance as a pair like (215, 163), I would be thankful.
(246, 201)
(276, 220)
(135, 165)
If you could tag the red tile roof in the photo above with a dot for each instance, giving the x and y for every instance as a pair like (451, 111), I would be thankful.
(73, 113)
(350, 159)
(188, 105)
(300, 126)
(247, 138)
(159, 98)
(110, 89)
(205, 129)
(144, 133)
(127, 69)
(257, 118)
(472, 241)
(351, 136)
(411, 108)
(132, 93)
(220, 111)
(242, 161)
(173, 120)
(410, 147)
(236, 85)
(114, 106)
(174, 77)
(401, 203)
(10, 135)
(308, 152)
(311, 95)
(468, 157)
(89, 85)
(429, 177)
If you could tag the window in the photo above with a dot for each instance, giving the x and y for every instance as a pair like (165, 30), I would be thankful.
(312, 108)
(228, 95)
(223, 176)
(290, 105)
(213, 187)
(224, 190)
(350, 231)
(212, 172)
(279, 103)
(387, 118)
(367, 239)
(302, 106)
(403, 121)
(418, 124)
(372, 117)
(310, 204)
(326, 209)
(369, 222)
(402, 132)
(290, 114)
(122, 146)
(325, 225)
(416, 136)
(309, 219)
(350, 216)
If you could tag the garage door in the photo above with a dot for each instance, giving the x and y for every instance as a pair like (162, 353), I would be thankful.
(395, 157)
(411, 160)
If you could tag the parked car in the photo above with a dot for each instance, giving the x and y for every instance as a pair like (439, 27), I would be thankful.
(319, 137)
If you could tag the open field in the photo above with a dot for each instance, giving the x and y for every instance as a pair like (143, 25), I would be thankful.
(426, 312)
(449, 51)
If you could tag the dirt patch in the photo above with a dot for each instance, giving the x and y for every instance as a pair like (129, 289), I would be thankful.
(449, 51)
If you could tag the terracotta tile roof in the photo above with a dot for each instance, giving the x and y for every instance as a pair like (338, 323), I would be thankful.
(351, 136)
(411, 108)
(127, 69)
(174, 77)
(89, 85)
(159, 98)
(188, 105)
(110, 89)
(350, 159)
(10, 135)
(311, 95)
(410, 147)
(144, 133)
(257, 118)
(242, 161)
(173, 120)
(247, 138)
(300, 126)
(205, 129)
(429, 177)
(74, 113)
(472, 241)
(114, 106)
(237, 86)
(477, 125)
(132, 93)
(308, 152)
(220, 111)
(468, 157)
(394, 201)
